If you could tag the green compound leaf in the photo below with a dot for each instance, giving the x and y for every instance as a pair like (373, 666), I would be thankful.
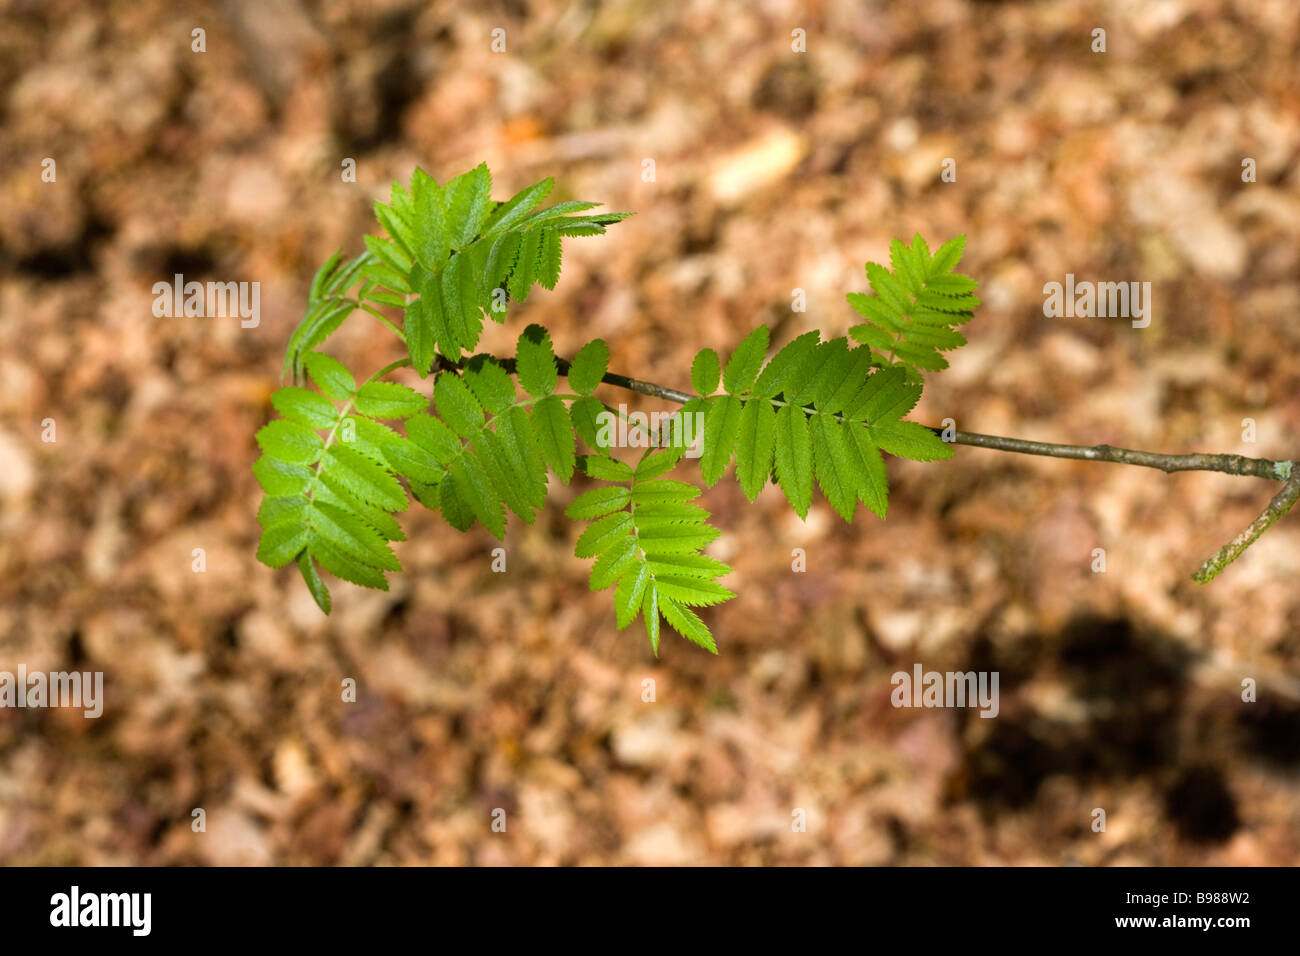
(910, 317)
(646, 539)
(816, 412)
(464, 256)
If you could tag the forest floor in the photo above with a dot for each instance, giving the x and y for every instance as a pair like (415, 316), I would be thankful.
(774, 171)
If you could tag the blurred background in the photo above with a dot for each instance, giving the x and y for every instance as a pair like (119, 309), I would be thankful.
(775, 170)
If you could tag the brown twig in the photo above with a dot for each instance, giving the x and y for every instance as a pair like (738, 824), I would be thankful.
(1225, 463)
(1277, 507)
